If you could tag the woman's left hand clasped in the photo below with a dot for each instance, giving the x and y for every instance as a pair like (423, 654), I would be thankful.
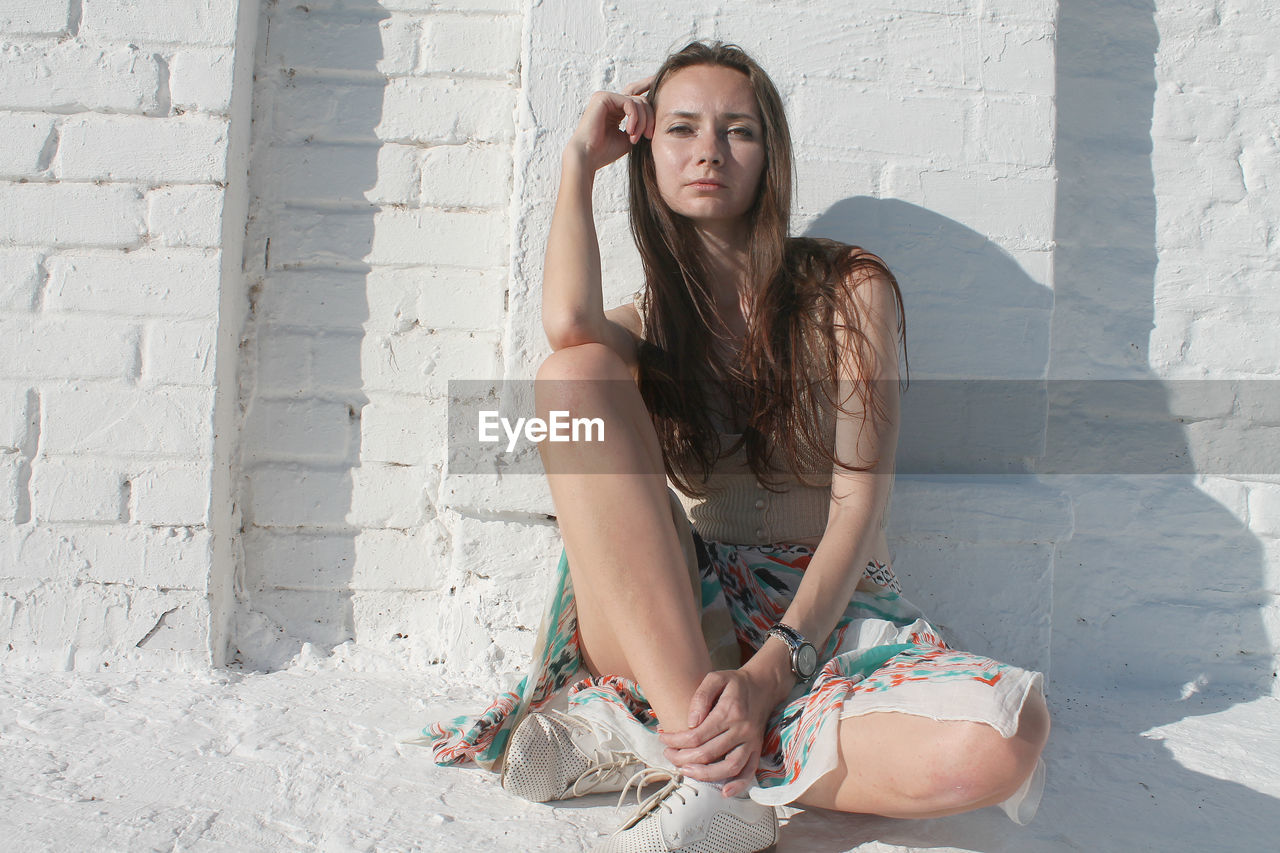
(727, 718)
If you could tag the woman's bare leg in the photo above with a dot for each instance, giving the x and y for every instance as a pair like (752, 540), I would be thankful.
(905, 766)
(637, 616)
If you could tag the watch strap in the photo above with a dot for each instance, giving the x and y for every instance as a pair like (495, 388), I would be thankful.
(787, 634)
(796, 642)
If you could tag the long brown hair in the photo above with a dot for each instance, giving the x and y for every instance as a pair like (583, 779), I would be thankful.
(804, 297)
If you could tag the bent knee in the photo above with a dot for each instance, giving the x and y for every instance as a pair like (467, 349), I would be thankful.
(584, 361)
(581, 375)
(981, 767)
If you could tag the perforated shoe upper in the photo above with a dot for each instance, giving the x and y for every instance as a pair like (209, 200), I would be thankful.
(554, 756)
(692, 818)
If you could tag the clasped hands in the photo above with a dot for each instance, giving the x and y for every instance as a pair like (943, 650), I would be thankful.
(727, 718)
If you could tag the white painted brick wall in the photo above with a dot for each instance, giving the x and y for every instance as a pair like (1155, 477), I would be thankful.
(19, 279)
(26, 137)
(141, 149)
(200, 80)
(381, 183)
(19, 406)
(1162, 253)
(185, 216)
(404, 164)
(34, 17)
(112, 258)
(467, 45)
(72, 75)
(79, 490)
(947, 106)
(191, 22)
(88, 418)
(1213, 162)
(68, 348)
(170, 494)
(65, 215)
(178, 352)
(146, 282)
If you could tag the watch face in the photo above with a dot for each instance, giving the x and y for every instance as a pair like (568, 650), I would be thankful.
(807, 660)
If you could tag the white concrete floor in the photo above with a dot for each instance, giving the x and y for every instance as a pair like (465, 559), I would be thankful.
(308, 759)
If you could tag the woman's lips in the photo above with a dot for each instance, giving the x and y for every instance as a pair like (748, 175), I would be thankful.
(706, 185)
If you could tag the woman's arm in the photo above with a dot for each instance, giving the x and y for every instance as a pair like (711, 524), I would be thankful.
(730, 709)
(572, 302)
(859, 498)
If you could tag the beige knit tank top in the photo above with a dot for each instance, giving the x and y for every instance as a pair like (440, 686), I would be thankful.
(739, 509)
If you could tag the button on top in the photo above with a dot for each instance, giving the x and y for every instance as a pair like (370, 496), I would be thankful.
(760, 504)
(759, 532)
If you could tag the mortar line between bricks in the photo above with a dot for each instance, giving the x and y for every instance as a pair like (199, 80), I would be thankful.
(159, 624)
(540, 518)
(126, 500)
(164, 98)
(50, 148)
(344, 589)
(143, 46)
(30, 447)
(42, 286)
(321, 74)
(75, 14)
(364, 208)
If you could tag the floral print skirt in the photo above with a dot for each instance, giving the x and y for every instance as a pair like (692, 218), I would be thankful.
(882, 656)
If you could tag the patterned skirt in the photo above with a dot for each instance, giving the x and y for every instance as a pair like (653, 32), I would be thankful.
(882, 656)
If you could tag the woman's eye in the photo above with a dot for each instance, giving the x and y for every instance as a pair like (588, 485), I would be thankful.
(679, 128)
(741, 131)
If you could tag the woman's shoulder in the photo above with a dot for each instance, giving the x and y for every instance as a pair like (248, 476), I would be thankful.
(628, 316)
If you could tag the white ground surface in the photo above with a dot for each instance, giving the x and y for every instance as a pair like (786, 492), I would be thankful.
(307, 758)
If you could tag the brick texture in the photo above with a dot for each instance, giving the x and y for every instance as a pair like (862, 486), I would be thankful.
(1063, 189)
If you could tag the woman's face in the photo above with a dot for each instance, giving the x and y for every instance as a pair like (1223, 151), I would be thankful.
(708, 145)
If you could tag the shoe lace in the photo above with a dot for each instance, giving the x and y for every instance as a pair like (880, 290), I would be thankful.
(596, 775)
(673, 782)
(606, 764)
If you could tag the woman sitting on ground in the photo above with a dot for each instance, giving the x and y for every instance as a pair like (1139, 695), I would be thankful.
(747, 644)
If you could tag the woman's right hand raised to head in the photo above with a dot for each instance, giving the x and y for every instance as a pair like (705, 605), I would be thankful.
(611, 124)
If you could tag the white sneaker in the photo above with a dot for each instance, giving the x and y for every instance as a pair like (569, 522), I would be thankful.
(692, 817)
(554, 756)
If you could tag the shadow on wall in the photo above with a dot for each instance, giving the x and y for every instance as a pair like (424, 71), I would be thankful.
(315, 161)
(1155, 586)
(972, 532)
(1157, 593)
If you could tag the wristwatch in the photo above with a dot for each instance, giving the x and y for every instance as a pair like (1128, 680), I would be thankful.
(804, 657)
